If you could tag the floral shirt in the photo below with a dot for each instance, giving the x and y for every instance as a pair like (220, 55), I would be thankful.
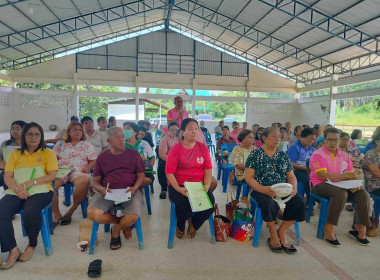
(371, 157)
(269, 170)
(239, 155)
(74, 157)
(145, 151)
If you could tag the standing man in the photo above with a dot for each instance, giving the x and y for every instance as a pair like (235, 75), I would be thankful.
(95, 137)
(111, 121)
(178, 113)
(218, 128)
(102, 124)
(245, 125)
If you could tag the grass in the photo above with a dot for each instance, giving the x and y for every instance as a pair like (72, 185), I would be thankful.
(371, 118)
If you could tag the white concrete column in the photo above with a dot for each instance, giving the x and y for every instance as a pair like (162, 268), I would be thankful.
(75, 98)
(333, 90)
(14, 101)
(247, 107)
(137, 99)
(193, 98)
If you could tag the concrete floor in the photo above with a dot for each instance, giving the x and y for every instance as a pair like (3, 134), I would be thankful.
(198, 258)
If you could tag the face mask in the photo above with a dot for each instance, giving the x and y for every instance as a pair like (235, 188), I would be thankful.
(127, 133)
(202, 126)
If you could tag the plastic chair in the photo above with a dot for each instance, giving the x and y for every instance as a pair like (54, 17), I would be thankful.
(259, 223)
(46, 228)
(151, 188)
(210, 145)
(95, 228)
(157, 136)
(300, 189)
(173, 225)
(238, 189)
(147, 198)
(322, 214)
(68, 189)
(227, 168)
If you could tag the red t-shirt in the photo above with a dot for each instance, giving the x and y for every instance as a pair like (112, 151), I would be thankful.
(188, 165)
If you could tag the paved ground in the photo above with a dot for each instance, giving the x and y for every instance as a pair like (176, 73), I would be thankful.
(198, 258)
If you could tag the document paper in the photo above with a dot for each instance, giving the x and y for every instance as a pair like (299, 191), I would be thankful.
(118, 195)
(347, 184)
(198, 198)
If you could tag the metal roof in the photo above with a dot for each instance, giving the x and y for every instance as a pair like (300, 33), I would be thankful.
(304, 40)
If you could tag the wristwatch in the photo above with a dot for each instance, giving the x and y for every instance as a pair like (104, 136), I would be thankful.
(35, 182)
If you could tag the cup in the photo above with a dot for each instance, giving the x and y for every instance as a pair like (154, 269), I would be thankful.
(83, 245)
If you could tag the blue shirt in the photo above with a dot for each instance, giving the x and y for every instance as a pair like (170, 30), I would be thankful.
(370, 146)
(299, 154)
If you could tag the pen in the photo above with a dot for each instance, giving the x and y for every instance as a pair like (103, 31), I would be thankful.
(107, 186)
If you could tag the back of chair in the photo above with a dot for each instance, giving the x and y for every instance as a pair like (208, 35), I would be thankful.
(208, 138)
(157, 136)
(217, 136)
(228, 147)
(307, 163)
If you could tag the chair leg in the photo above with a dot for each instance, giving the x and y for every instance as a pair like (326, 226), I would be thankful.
(297, 231)
(310, 208)
(238, 190)
(245, 190)
(258, 226)
(67, 192)
(219, 171)
(147, 198)
(94, 236)
(322, 218)
(172, 226)
(225, 179)
(212, 229)
(22, 223)
(45, 233)
(300, 189)
(151, 188)
(139, 234)
(84, 207)
(50, 219)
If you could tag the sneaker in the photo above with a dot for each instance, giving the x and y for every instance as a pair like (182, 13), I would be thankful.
(163, 195)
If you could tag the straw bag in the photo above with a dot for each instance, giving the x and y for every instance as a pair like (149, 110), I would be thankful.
(222, 226)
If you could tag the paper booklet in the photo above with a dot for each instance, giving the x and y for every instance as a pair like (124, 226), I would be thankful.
(62, 172)
(198, 198)
(8, 150)
(347, 184)
(22, 175)
(118, 195)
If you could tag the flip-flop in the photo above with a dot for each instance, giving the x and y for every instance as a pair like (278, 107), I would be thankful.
(65, 221)
(289, 250)
(178, 233)
(95, 269)
(114, 242)
(274, 249)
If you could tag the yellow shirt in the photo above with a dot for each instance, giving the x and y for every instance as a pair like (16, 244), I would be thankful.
(45, 158)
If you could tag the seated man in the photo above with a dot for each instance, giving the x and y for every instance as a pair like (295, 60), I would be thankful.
(95, 137)
(328, 162)
(117, 168)
(299, 153)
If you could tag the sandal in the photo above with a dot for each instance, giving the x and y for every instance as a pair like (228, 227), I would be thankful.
(95, 269)
(274, 249)
(190, 234)
(10, 264)
(65, 221)
(115, 241)
(178, 233)
(289, 250)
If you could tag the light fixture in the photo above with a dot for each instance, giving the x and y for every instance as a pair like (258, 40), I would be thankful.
(30, 10)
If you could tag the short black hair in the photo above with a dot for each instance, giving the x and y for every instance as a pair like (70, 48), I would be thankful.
(283, 128)
(134, 126)
(226, 126)
(185, 122)
(331, 130)
(344, 134)
(141, 122)
(244, 133)
(172, 124)
(307, 131)
(100, 119)
(296, 128)
(376, 138)
(86, 118)
(355, 133)
(111, 119)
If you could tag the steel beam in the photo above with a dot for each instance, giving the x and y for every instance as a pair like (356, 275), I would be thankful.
(89, 20)
(54, 53)
(169, 13)
(331, 25)
(250, 33)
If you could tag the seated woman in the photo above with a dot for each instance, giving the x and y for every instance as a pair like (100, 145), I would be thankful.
(235, 131)
(143, 135)
(14, 142)
(145, 150)
(328, 162)
(43, 163)
(357, 137)
(371, 145)
(79, 155)
(226, 138)
(296, 136)
(241, 152)
(258, 142)
(371, 167)
(265, 167)
(188, 161)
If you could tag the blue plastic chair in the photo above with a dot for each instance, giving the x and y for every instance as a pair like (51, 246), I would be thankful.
(226, 168)
(245, 186)
(46, 228)
(322, 214)
(147, 198)
(95, 228)
(300, 189)
(68, 189)
(255, 209)
(173, 225)
(210, 145)
(157, 136)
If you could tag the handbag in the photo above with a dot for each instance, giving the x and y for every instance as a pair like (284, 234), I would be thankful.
(242, 224)
(373, 229)
(222, 226)
(231, 205)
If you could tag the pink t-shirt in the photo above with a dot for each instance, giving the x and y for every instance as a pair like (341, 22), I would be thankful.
(188, 165)
(323, 159)
(173, 114)
(235, 135)
(167, 142)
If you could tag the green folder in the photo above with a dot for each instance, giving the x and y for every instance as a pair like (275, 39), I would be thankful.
(62, 172)
(7, 150)
(22, 175)
(199, 200)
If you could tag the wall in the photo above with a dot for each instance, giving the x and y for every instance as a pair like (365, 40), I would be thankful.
(6, 113)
